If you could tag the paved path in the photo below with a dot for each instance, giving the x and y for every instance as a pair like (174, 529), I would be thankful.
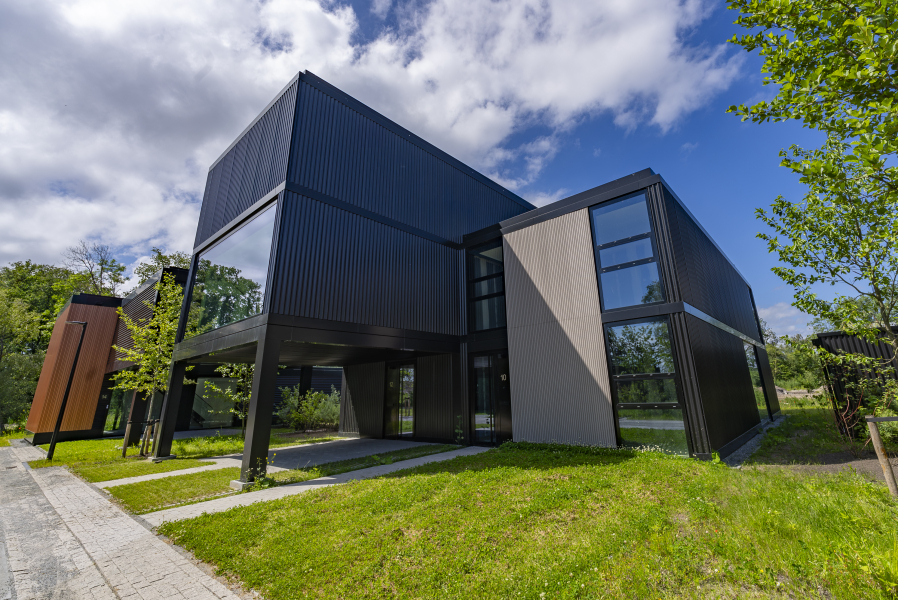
(222, 504)
(290, 457)
(61, 539)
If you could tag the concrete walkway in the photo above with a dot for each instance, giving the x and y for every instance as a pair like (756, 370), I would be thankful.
(222, 504)
(61, 539)
(288, 457)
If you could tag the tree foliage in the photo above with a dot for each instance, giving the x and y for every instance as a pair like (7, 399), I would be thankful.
(153, 341)
(238, 391)
(100, 272)
(835, 65)
(159, 260)
(310, 410)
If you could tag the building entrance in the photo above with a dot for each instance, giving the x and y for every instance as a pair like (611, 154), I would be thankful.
(399, 401)
(491, 406)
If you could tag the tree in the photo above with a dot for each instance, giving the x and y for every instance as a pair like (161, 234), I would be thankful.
(153, 342)
(145, 270)
(97, 269)
(18, 378)
(238, 392)
(36, 285)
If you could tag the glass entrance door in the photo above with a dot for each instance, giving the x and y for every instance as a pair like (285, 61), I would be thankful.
(491, 399)
(399, 402)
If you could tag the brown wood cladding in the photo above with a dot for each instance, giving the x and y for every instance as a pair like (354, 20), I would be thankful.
(89, 375)
(138, 311)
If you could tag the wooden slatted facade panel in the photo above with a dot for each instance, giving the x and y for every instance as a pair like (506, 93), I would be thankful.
(89, 374)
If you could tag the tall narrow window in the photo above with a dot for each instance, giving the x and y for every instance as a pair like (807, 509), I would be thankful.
(486, 287)
(231, 275)
(625, 254)
(751, 357)
(643, 380)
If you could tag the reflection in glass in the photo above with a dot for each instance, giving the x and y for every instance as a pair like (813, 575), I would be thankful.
(640, 348)
(399, 403)
(757, 386)
(624, 253)
(660, 427)
(631, 286)
(484, 394)
(620, 220)
(486, 260)
(489, 313)
(211, 409)
(493, 285)
(230, 276)
(646, 391)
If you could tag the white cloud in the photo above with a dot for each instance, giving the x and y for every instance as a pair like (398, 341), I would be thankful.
(785, 319)
(381, 7)
(111, 112)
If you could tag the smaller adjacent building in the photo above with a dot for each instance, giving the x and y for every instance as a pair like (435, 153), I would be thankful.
(838, 342)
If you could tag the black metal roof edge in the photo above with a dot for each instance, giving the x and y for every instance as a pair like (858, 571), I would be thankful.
(256, 120)
(229, 227)
(842, 333)
(705, 231)
(356, 105)
(94, 300)
(596, 195)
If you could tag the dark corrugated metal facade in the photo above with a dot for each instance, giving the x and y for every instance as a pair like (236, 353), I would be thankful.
(437, 401)
(335, 265)
(364, 396)
(254, 165)
(839, 342)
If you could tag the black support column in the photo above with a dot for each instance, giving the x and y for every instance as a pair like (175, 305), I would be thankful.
(261, 404)
(170, 406)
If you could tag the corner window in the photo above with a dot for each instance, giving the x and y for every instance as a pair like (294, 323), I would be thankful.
(486, 287)
(625, 254)
(231, 275)
(643, 386)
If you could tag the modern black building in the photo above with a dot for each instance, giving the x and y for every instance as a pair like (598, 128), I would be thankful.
(330, 235)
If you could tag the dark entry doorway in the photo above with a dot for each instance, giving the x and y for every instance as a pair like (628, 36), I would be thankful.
(491, 406)
(399, 401)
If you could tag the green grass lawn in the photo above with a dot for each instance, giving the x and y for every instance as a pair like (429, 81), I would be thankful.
(150, 496)
(529, 521)
(5, 436)
(101, 460)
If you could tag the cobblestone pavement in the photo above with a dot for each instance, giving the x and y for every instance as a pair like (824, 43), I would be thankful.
(222, 504)
(62, 540)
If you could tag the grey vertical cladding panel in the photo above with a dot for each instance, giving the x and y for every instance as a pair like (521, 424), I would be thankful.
(721, 369)
(348, 422)
(342, 153)
(706, 278)
(365, 392)
(560, 389)
(689, 388)
(435, 397)
(767, 379)
(339, 266)
(255, 165)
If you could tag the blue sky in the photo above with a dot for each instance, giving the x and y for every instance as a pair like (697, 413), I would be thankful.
(110, 123)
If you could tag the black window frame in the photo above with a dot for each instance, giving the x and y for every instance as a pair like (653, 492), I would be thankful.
(675, 376)
(471, 281)
(651, 235)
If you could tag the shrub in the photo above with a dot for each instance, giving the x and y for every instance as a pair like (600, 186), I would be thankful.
(314, 409)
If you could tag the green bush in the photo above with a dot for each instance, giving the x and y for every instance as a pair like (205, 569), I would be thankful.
(309, 411)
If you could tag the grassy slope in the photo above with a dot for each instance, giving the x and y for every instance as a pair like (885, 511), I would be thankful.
(571, 523)
(149, 496)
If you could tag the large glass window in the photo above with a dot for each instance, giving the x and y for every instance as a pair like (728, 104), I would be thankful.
(625, 254)
(644, 388)
(486, 287)
(751, 357)
(231, 275)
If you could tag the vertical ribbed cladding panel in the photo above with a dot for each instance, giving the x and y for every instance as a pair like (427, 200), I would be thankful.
(838, 343)
(727, 394)
(365, 392)
(342, 153)
(706, 278)
(767, 379)
(692, 397)
(255, 165)
(138, 311)
(560, 390)
(435, 397)
(663, 240)
(339, 266)
(348, 422)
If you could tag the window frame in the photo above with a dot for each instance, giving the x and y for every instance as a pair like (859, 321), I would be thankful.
(650, 235)
(470, 298)
(675, 376)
